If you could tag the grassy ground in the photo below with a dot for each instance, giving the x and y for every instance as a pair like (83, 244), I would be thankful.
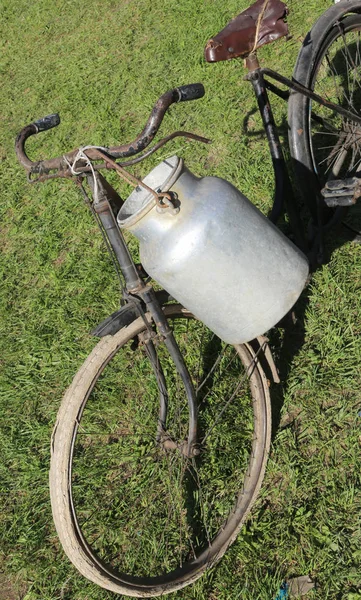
(101, 66)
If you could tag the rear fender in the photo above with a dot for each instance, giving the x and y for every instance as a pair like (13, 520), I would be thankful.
(263, 352)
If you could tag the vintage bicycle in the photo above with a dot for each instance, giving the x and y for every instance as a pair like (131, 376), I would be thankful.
(178, 448)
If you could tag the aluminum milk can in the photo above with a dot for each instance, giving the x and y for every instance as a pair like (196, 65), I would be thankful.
(216, 253)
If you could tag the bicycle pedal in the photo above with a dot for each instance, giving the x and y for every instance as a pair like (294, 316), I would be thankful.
(342, 192)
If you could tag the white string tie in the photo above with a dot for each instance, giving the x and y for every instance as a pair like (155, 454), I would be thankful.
(81, 156)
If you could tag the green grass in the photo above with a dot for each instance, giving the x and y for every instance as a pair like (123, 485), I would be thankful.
(102, 66)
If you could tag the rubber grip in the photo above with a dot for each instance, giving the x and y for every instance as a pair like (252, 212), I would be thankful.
(47, 122)
(193, 91)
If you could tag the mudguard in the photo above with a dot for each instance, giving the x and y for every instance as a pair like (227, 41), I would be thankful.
(124, 316)
(127, 313)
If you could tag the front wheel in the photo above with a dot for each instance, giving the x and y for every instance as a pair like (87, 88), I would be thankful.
(135, 514)
(323, 144)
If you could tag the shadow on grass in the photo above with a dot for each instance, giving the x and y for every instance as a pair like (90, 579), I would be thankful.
(287, 339)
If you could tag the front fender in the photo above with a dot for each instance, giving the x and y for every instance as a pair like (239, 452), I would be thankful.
(129, 312)
(124, 316)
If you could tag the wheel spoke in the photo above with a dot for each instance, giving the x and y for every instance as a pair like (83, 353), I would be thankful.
(337, 78)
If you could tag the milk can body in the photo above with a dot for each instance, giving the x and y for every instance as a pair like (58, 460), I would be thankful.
(218, 255)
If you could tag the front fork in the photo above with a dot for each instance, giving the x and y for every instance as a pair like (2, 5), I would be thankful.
(137, 292)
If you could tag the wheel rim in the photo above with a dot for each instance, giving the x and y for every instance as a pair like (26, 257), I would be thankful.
(335, 142)
(172, 535)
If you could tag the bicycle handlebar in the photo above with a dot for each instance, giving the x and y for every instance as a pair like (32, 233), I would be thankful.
(183, 93)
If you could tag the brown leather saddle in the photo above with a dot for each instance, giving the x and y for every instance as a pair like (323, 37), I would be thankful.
(238, 38)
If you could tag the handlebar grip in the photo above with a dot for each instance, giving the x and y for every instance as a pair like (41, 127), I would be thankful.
(47, 122)
(193, 91)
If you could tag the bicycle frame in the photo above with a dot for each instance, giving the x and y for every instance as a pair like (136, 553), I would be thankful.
(131, 413)
(139, 296)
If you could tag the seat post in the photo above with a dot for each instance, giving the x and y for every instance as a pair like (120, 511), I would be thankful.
(252, 62)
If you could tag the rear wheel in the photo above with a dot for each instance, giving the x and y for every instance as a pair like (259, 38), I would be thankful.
(325, 145)
(135, 515)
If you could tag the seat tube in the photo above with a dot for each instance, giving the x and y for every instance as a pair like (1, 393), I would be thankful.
(284, 197)
(281, 175)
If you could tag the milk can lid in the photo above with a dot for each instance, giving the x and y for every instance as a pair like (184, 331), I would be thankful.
(140, 201)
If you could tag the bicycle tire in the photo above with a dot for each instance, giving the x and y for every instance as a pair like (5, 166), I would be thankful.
(220, 485)
(323, 66)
